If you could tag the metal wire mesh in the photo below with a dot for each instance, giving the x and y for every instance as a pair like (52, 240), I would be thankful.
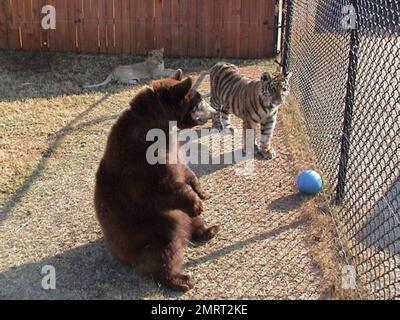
(345, 57)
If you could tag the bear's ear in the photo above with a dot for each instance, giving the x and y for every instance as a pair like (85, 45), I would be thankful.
(178, 75)
(181, 89)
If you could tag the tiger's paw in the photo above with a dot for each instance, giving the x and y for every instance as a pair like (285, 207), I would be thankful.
(229, 129)
(267, 153)
(217, 125)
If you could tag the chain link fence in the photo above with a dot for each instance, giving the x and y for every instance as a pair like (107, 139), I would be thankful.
(345, 57)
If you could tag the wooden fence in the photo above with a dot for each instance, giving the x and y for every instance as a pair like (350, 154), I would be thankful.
(230, 28)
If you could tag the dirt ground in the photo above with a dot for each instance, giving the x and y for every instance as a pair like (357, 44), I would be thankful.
(52, 136)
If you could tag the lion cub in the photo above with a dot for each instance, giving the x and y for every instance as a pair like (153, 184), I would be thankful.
(151, 69)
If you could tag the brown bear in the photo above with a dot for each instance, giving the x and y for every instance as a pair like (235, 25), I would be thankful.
(149, 212)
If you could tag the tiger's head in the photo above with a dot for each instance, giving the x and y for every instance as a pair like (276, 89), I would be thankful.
(274, 88)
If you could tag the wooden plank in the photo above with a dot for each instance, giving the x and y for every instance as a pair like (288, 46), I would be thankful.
(62, 33)
(18, 20)
(140, 33)
(232, 28)
(254, 29)
(78, 21)
(218, 27)
(227, 43)
(25, 22)
(267, 28)
(200, 38)
(4, 24)
(200, 16)
(158, 27)
(184, 29)
(166, 27)
(133, 26)
(118, 33)
(244, 29)
(110, 26)
(208, 27)
(262, 16)
(11, 10)
(235, 27)
(59, 40)
(69, 26)
(74, 22)
(266, 20)
(262, 29)
(64, 37)
(70, 32)
(126, 29)
(44, 33)
(191, 13)
(149, 25)
(152, 21)
(102, 25)
(35, 25)
(175, 21)
(18, 9)
(89, 26)
(47, 40)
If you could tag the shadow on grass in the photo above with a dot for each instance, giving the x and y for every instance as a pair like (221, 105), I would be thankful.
(10, 204)
(208, 161)
(381, 229)
(25, 74)
(90, 272)
(243, 243)
(86, 272)
(288, 203)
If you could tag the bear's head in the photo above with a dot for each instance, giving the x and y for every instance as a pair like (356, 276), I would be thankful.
(179, 101)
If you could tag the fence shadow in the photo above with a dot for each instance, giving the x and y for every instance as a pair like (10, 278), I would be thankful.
(287, 203)
(243, 243)
(90, 272)
(214, 161)
(13, 201)
(48, 74)
(86, 272)
(382, 228)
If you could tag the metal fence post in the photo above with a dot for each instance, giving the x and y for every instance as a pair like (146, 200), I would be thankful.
(348, 111)
(276, 28)
(287, 20)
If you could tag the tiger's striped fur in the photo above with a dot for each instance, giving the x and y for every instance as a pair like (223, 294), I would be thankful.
(254, 101)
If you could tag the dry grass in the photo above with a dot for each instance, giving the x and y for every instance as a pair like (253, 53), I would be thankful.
(328, 250)
(52, 138)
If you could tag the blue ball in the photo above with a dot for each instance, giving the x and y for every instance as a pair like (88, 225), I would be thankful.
(309, 182)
